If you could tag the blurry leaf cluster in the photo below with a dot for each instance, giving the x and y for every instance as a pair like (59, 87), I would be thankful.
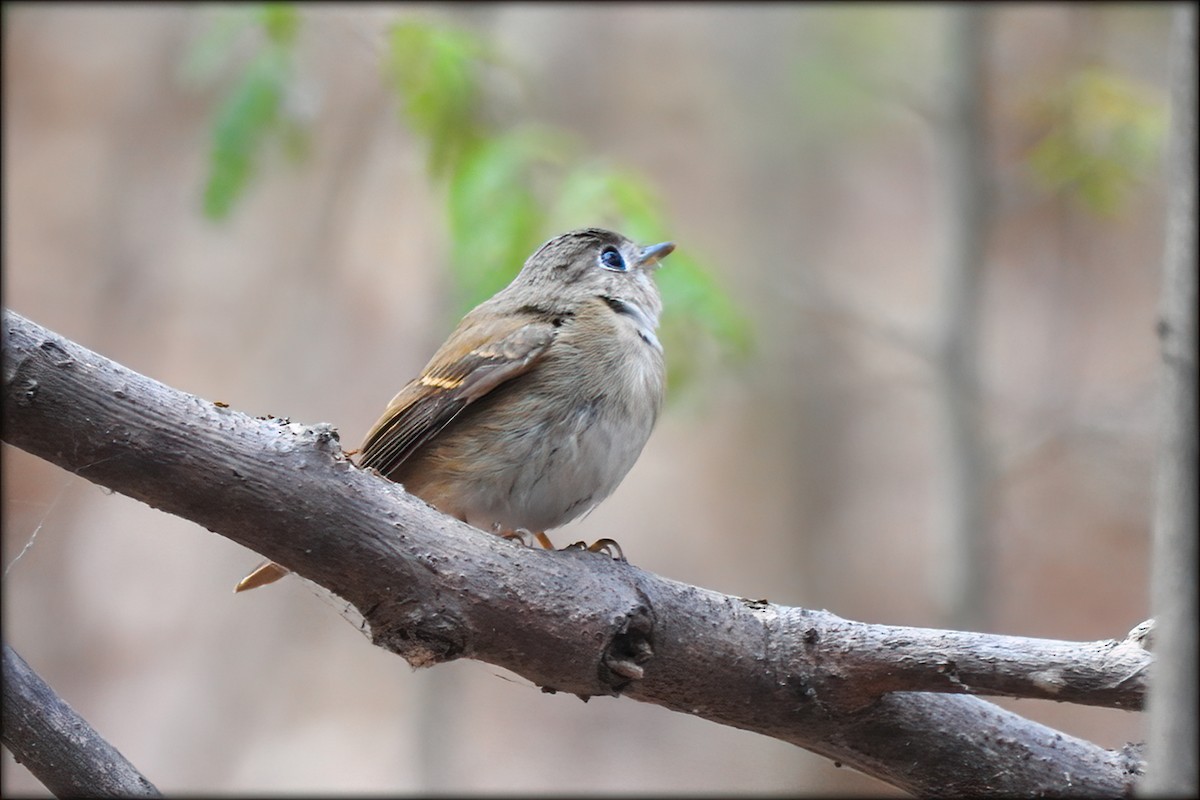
(1104, 133)
(436, 73)
(254, 110)
(507, 188)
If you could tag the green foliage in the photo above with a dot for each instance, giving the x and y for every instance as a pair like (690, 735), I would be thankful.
(701, 324)
(1105, 132)
(496, 216)
(245, 118)
(254, 110)
(507, 189)
(281, 21)
(436, 73)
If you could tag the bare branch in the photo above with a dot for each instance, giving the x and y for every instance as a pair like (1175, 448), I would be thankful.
(433, 589)
(875, 659)
(57, 745)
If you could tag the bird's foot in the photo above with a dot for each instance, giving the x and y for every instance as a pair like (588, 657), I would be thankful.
(608, 546)
(528, 537)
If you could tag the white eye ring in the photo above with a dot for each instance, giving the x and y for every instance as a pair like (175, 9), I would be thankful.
(611, 259)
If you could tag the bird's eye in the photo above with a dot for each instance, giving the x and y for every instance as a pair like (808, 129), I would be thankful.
(611, 258)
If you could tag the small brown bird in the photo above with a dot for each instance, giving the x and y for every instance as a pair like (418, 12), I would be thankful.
(540, 401)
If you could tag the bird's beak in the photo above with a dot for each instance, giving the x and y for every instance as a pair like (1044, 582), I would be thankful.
(650, 256)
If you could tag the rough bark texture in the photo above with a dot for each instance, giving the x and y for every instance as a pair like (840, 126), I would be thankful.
(57, 745)
(433, 589)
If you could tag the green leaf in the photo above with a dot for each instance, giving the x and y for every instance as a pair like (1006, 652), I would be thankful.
(435, 72)
(1105, 133)
(596, 194)
(281, 21)
(243, 121)
(254, 109)
(701, 324)
(495, 216)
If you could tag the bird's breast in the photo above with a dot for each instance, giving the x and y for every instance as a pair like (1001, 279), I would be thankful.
(548, 446)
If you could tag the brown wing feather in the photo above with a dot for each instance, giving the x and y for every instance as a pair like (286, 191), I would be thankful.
(476, 359)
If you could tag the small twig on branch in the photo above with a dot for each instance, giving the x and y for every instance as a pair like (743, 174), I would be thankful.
(875, 659)
(433, 589)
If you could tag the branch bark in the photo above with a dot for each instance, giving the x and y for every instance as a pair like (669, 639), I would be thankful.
(433, 589)
(57, 745)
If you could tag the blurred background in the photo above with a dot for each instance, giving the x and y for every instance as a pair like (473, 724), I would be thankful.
(910, 325)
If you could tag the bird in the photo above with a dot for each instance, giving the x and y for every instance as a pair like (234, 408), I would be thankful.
(541, 400)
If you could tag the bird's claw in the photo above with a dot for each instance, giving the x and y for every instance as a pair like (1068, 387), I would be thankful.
(608, 546)
(528, 537)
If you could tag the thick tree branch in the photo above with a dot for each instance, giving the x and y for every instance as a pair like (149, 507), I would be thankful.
(57, 745)
(434, 589)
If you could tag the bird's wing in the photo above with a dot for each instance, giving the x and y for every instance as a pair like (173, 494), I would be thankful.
(476, 359)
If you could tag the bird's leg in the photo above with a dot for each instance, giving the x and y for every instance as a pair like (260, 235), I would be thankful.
(528, 537)
(519, 534)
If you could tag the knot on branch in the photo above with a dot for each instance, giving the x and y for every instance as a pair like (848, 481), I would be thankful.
(326, 438)
(1142, 635)
(20, 355)
(313, 445)
(1132, 758)
(426, 641)
(629, 649)
(23, 392)
(322, 436)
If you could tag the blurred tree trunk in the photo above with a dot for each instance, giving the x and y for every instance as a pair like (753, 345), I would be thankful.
(962, 581)
(1172, 739)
